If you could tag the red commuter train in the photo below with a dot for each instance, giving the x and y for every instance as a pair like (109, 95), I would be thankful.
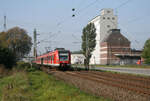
(58, 58)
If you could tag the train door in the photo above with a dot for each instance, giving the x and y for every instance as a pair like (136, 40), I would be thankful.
(47, 60)
(52, 59)
(41, 61)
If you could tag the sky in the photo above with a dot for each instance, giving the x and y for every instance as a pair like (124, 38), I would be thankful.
(55, 25)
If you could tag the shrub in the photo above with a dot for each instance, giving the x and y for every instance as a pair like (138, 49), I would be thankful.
(146, 52)
(26, 66)
(7, 57)
(23, 65)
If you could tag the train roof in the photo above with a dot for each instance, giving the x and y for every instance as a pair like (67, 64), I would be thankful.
(59, 49)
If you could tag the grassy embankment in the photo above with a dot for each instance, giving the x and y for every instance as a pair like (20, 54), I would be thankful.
(39, 86)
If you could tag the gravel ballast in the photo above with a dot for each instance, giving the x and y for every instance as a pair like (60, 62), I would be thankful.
(99, 89)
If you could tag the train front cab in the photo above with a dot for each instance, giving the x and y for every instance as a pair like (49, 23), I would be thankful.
(64, 59)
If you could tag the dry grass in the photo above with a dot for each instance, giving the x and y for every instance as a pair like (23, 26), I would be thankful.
(3, 71)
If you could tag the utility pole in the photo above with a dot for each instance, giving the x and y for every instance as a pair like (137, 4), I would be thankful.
(5, 23)
(87, 67)
(35, 43)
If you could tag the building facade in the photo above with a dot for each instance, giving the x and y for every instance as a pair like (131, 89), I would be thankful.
(103, 23)
(112, 45)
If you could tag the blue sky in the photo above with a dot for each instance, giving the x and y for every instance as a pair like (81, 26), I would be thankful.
(54, 22)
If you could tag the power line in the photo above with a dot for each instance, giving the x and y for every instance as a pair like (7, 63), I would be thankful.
(70, 18)
(124, 3)
(130, 36)
(75, 37)
(91, 4)
(137, 19)
(81, 10)
(81, 3)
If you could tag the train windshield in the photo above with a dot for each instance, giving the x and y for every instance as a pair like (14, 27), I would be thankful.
(63, 56)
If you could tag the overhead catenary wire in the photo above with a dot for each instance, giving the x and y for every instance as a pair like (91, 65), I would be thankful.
(78, 12)
(127, 33)
(81, 3)
(81, 10)
(137, 43)
(122, 4)
(82, 15)
(75, 37)
(91, 4)
(137, 19)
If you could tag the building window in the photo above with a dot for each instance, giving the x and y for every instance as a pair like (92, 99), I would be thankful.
(108, 26)
(113, 18)
(103, 17)
(108, 18)
(108, 11)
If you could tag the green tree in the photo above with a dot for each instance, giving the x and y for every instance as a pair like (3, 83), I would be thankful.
(17, 40)
(146, 52)
(88, 42)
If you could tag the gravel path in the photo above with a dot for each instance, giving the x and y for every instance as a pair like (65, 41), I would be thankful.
(126, 70)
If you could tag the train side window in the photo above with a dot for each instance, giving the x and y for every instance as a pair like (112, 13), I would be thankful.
(50, 58)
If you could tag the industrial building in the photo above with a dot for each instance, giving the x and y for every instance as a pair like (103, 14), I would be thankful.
(111, 46)
(103, 23)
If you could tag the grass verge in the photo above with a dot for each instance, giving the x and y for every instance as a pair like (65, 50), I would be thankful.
(38, 86)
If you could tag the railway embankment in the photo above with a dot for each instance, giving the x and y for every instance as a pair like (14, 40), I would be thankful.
(118, 87)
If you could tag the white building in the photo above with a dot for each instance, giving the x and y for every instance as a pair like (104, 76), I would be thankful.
(103, 23)
(77, 59)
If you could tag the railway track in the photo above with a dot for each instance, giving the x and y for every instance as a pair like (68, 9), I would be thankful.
(145, 84)
(109, 82)
(119, 81)
(129, 77)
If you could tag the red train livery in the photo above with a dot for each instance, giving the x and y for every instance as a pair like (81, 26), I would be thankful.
(58, 58)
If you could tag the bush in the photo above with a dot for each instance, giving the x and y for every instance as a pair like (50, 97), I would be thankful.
(26, 66)
(7, 57)
(23, 65)
(146, 52)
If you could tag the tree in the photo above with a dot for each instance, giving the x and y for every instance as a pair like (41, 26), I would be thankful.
(17, 40)
(146, 52)
(88, 42)
(7, 57)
